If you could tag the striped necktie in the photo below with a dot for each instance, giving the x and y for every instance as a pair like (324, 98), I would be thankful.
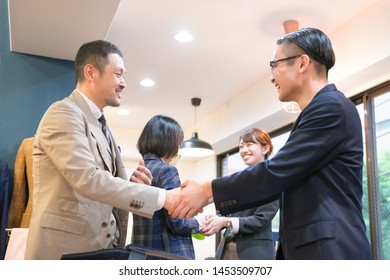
(102, 120)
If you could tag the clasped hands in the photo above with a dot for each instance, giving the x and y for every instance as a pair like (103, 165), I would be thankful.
(184, 202)
(213, 224)
(188, 200)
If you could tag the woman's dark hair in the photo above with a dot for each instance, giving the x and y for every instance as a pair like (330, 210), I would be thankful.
(95, 53)
(314, 43)
(161, 136)
(257, 135)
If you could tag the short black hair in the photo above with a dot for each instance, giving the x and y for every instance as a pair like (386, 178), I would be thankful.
(314, 43)
(161, 136)
(95, 53)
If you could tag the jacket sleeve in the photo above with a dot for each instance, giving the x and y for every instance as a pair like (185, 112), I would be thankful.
(261, 218)
(169, 178)
(182, 226)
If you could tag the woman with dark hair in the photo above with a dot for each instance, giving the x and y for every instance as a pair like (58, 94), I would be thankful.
(159, 146)
(248, 234)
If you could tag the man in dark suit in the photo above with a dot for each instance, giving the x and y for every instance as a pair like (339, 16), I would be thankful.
(317, 174)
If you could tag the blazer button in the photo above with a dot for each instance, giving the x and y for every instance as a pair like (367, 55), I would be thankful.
(104, 224)
(108, 235)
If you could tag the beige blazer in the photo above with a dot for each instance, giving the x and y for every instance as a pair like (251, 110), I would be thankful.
(20, 210)
(74, 189)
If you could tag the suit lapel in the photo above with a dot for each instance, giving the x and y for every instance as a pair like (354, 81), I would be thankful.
(103, 147)
(96, 131)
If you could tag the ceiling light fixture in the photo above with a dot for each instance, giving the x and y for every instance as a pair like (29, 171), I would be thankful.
(147, 83)
(291, 25)
(183, 37)
(195, 147)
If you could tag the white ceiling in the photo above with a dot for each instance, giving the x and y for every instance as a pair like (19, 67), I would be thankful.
(233, 42)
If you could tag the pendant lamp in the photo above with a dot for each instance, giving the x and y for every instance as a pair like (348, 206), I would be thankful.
(195, 147)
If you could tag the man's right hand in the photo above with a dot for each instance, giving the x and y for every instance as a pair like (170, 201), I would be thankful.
(188, 200)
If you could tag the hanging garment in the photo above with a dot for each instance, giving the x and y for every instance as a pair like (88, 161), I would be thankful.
(20, 210)
(5, 198)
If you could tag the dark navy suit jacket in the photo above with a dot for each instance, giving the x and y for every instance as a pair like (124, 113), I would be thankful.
(318, 177)
(254, 236)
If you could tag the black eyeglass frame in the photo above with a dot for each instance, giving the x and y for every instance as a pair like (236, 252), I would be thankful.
(273, 62)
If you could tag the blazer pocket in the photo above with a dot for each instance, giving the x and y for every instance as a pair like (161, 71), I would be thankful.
(62, 223)
(324, 229)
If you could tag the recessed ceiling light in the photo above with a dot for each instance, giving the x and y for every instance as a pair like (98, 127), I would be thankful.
(183, 37)
(147, 83)
(123, 112)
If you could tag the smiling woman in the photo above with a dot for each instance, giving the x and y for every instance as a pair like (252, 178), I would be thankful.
(247, 235)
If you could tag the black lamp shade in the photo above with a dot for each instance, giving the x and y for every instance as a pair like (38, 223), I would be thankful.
(195, 147)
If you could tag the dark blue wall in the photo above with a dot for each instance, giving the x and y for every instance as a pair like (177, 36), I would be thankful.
(28, 86)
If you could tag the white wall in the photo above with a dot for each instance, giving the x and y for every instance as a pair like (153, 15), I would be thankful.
(362, 50)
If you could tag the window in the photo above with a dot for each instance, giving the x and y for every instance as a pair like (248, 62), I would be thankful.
(374, 107)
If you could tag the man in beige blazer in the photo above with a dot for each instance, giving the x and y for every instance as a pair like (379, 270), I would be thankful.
(78, 174)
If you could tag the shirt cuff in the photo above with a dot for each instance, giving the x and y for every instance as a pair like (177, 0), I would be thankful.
(161, 199)
(235, 224)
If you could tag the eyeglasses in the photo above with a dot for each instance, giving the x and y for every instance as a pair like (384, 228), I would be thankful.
(273, 64)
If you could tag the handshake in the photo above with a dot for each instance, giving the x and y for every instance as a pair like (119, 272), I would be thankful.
(184, 202)
(188, 200)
